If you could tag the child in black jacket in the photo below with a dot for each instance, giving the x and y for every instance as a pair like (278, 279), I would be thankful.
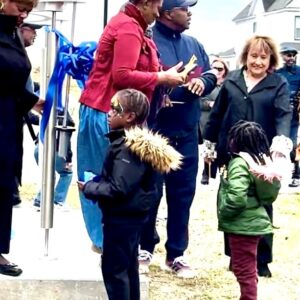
(127, 189)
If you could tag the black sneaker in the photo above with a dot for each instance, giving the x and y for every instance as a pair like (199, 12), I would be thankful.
(264, 271)
(204, 179)
(36, 205)
(17, 202)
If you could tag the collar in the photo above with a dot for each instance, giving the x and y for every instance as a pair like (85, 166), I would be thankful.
(237, 78)
(8, 24)
(290, 69)
(165, 30)
(115, 134)
(132, 11)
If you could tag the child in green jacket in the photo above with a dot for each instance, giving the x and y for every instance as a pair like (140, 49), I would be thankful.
(249, 183)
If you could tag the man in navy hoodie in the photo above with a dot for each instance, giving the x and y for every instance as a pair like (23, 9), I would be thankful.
(177, 120)
(292, 74)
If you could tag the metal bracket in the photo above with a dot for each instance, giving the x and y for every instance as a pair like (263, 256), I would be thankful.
(55, 5)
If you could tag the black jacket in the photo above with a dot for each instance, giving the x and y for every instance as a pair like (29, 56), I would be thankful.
(267, 104)
(127, 188)
(15, 100)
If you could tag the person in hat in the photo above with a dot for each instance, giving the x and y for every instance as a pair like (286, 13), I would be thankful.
(178, 120)
(28, 35)
(28, 31)
(292, 74)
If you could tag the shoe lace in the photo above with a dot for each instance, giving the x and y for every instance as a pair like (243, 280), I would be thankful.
(145, 255)
(180, 260)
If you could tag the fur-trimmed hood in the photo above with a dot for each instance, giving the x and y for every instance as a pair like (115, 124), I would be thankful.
(153, 149)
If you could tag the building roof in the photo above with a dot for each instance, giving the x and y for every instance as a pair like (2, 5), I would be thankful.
(228, 53)
(269, 5)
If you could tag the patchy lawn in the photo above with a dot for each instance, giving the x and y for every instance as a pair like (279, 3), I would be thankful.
(205, 253)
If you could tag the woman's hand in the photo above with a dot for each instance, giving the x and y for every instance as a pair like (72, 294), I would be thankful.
(39, 106)
(171, 77)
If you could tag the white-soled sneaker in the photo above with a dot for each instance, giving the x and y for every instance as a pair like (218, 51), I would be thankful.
(62, 207)
(144, 259)
(180, 267)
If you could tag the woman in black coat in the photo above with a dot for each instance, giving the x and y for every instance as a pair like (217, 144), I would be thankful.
(15, 102)
(253, 93)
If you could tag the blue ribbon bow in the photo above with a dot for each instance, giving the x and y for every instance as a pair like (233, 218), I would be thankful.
(70, 60)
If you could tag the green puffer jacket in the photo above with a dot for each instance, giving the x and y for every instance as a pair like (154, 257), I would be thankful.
(241, 198)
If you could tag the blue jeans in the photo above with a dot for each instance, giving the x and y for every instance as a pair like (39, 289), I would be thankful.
(91, 151)
(63, 183)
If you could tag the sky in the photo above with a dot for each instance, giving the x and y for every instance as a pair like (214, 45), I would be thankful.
(211, 21)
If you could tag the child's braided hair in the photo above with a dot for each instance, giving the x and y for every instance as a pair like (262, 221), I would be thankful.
(246, 136)
(137, 102)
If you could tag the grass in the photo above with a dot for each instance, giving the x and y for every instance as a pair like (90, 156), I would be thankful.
(205, 253)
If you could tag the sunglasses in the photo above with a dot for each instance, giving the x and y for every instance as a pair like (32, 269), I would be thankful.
(290, 54)
(218, 69)
(116, 105)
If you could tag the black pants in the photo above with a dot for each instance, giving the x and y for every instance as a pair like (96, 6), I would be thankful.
(120, 267)
(180, 188)
(6, 204)
(265, 245)
(16, 194)
(213, 169)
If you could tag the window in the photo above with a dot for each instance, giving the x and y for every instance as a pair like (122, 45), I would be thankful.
(297, 28)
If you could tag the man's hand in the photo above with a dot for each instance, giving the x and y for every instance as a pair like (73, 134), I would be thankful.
(39, 106)
(68, 166)
(196, 86)
(80, 185)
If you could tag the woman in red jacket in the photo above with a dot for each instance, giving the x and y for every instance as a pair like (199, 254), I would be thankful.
(126, 58)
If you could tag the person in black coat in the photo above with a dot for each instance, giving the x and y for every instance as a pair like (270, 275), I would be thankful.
(127, 189)
(15, 101)
(252, 93)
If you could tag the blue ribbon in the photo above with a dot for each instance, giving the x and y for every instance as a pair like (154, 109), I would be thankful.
(70, 60)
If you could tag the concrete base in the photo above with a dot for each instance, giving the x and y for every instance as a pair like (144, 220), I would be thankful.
(66, 269)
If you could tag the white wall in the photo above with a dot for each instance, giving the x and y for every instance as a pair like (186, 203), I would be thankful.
(278, 25)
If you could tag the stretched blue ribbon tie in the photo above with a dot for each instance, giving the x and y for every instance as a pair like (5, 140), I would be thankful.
(70, 60)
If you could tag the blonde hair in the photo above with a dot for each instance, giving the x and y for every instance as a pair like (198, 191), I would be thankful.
(226, 69)
(265, 44)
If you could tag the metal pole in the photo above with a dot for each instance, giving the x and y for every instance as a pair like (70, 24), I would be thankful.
(49, 149)
(105, 13)
(68, 84)
(48, 172)
(64, 131)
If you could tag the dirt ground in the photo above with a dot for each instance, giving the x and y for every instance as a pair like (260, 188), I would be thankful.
(205, 253)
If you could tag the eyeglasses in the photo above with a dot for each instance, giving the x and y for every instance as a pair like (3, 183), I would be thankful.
(116, 105)
(290, 54)
(218, 69)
